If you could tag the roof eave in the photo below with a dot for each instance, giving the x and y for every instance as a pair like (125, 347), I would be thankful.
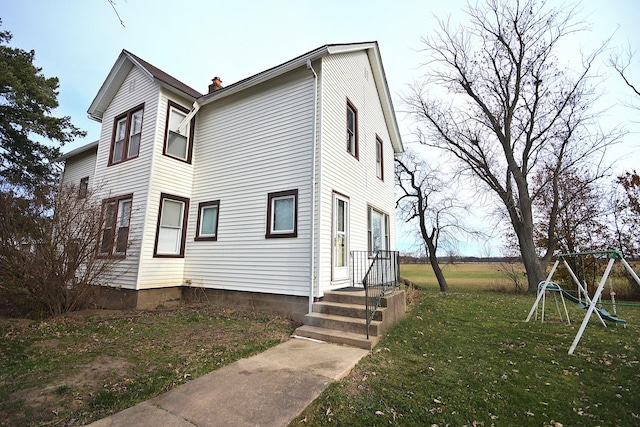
(79, 150)
(263, 76)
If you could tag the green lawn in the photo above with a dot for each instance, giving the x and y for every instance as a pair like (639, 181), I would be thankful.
(468, 358)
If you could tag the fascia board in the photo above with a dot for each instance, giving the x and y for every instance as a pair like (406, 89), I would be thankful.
(110, 86)
(385, 98)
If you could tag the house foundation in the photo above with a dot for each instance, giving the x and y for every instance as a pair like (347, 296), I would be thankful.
(293, 307)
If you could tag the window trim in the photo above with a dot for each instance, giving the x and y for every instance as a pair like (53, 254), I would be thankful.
(271, 234)
(114, 224)
(189, 153)
(386, 231)
(183, 235)
(206, 237)
(356, 147)
(125, 148)
(83, 187)
(380, 158)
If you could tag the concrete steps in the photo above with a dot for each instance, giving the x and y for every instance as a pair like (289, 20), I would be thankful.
(340, 317)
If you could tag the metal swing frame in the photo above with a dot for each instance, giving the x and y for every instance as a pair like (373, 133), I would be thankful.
(548, 285)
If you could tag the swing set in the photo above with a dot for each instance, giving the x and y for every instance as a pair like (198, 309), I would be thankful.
(547, 286)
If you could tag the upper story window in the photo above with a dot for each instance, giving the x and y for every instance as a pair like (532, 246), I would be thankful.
(172, 226)
(352, 129)
(127, 130)
(116, 215)
(282, 214)
(207, 227)
(379, 158)
(178, 142)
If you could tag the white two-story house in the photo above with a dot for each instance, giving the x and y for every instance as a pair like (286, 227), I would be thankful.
(256, 192)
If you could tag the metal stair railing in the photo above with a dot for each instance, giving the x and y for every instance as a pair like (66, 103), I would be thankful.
(378, 272)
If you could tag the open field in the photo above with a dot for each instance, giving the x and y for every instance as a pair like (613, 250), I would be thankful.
(476, 276)
(79, 368)
(468, 358)
(469, 276)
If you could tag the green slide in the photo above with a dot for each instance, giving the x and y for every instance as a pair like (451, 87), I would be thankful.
(603, 313)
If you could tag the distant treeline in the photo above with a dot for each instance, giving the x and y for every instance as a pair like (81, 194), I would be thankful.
(410, 259)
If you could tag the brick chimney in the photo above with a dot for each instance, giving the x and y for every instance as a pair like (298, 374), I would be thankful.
(216, 84)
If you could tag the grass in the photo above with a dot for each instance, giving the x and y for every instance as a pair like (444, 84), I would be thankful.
(467, 357)
(77, 369)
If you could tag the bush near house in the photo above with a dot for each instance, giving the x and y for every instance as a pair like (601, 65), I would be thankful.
(49, 263)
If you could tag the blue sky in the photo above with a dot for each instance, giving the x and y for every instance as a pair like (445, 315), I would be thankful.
(79, 40)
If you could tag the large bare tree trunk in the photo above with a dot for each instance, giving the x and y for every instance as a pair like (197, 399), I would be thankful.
(510, 111)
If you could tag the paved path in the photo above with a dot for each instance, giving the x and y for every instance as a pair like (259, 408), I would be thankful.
(268, 389)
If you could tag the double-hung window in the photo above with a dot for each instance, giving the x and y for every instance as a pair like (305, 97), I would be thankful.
(352, 129)
(172, 226)
(207, 227)
(282, 214)
(379, 158)
(177, 141)
(378, 224)
(127, 131)
(116, 216)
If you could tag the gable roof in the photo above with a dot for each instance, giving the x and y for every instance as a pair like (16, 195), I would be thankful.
(126, 61)
(123, 65)
(373, 52)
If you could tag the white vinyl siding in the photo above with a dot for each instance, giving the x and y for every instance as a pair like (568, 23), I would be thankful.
(170, 177)
(246, 147)
(131, 176)
(349, 77)
(78, 167)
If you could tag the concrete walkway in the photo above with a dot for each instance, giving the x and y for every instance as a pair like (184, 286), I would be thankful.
(268, 389)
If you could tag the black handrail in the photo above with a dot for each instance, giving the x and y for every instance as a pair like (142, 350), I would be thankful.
(382, 274)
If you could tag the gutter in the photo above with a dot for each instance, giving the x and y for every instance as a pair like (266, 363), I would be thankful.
(312, 269)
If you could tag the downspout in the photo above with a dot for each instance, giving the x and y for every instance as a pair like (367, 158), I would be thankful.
(312, 268)
(189, 116)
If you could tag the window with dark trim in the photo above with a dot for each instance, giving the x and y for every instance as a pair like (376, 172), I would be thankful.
(207, 226)
(116, 216)
(282, 214)
(127, 131)
(379, 158)
(352, 129)
(83, 187)
(172, 226)
(178, 143)
(378, 229)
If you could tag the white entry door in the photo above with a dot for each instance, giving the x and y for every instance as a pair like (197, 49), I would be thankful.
(340, 238)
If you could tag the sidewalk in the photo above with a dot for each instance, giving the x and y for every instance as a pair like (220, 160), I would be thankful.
(268, 389)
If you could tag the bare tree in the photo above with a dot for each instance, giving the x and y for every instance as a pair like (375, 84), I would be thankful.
(511, 110)
(621, 62)
(49, 257)
(427, 200)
